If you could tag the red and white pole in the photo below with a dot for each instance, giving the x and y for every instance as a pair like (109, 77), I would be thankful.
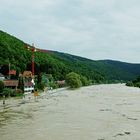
(33, 61)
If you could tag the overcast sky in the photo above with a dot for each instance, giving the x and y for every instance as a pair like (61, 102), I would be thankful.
(96, 29)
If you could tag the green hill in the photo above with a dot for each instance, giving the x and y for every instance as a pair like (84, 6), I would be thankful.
(59, 64)
(111, 70)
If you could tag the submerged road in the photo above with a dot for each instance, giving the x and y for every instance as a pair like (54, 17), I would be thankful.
(100, 112)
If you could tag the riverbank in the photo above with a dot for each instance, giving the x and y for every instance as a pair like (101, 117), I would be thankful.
(28, 98)
(100, 112)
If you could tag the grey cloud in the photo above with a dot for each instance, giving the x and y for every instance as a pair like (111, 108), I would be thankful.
(91, 28)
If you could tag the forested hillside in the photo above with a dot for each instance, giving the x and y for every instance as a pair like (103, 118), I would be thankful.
(111, 70)
(14, 51)
(59, 64)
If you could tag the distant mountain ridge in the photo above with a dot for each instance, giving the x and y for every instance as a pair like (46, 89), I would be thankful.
(116, 70)
(59, 64)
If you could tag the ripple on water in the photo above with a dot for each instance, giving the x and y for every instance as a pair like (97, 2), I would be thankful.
(10, 115)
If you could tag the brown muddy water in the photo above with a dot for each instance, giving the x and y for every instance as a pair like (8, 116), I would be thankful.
(101, 112)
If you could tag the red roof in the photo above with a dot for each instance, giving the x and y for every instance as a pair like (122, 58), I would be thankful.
(12, 72)
(29, 84)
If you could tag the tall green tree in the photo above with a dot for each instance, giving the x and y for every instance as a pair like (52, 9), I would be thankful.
(73, 80)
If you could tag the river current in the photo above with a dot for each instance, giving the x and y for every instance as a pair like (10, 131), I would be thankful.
(91, 113)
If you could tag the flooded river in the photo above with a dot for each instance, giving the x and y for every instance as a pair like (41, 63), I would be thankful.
(101, 112)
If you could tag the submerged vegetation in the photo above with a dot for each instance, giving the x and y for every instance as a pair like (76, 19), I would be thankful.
(134, 83)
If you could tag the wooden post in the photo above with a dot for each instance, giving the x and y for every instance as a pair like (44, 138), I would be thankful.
(3, 99)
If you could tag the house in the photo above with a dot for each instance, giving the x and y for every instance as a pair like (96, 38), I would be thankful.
(28, 81)
(61, 83)
(11, 83)
(28, 86)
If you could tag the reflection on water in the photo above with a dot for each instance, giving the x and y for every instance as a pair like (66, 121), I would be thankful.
(84, 114)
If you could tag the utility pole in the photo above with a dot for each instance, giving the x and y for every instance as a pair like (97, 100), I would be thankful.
(9, 69)
(33, 61)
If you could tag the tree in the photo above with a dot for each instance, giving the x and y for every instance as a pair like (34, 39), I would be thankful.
(1, 86)
(130, 84)
(84, 80)
(73, 80)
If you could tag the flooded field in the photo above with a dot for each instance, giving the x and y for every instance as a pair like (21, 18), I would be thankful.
(101, 112)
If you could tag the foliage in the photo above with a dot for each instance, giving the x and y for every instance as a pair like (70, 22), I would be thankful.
(102, 70)
(1, 86)
(13, 51)
(134, 83)
(21, 84)
(73, 80)
(130, 84)
(84, 80)
(137, 84)
(19, 92)
(41, 85)
(53, 84)
(9, 92)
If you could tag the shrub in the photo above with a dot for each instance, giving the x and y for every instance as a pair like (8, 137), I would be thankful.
(53, 85)
(41, 86)
(84, 80)
(9, 92)
(73, 80)
(137, 84)
(19, 92)
(130, 84)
